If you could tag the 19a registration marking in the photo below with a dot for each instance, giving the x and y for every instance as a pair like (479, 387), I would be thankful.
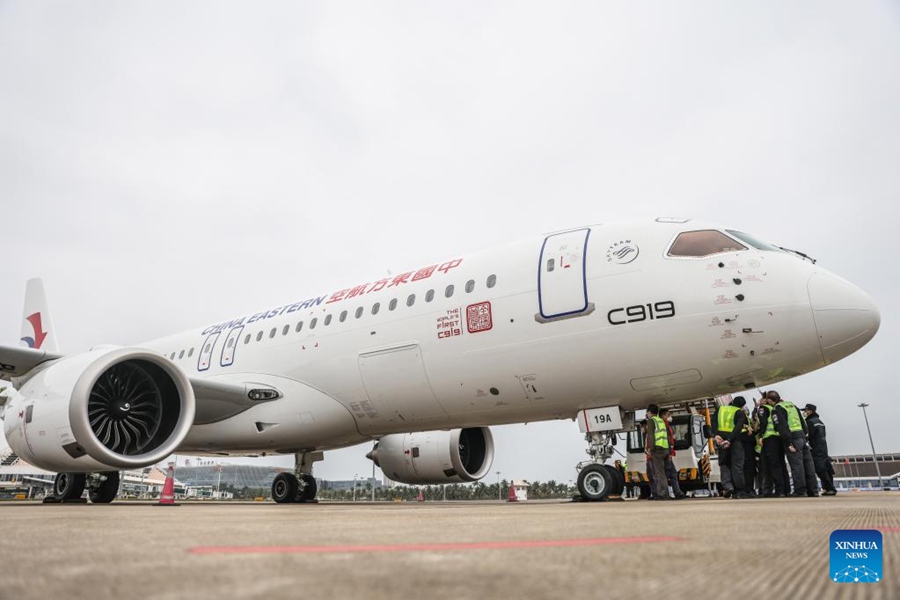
(641, 312)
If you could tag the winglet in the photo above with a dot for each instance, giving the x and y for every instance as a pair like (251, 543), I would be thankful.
(37, 327)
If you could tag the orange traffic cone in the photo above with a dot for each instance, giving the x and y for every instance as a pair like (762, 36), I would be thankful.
(512, 494)
(167, 498)
(421, 498)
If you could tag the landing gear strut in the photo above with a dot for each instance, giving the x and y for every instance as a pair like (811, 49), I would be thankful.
(299, 486)
(596, 480)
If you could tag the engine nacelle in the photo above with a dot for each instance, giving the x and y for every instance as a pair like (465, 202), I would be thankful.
(433, 457)
(103, 410)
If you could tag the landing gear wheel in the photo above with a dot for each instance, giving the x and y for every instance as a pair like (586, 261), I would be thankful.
(107, 490)
(308, 493)
(618, 482)
(595, 482)
(285, 488)
(68, 486)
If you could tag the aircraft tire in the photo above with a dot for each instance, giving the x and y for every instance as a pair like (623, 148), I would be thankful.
(618, 482)
(68, 486)
(595, 483)
(107, 491)
(284, 488)
(308, 493)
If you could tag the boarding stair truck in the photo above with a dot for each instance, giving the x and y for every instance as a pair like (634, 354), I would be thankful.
(695, 458)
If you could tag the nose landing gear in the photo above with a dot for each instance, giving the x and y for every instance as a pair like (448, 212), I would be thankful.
(596, 480)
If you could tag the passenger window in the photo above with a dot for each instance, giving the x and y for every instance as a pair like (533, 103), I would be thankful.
(429, 295)
(470, 285)
(343, 316)
(375, 308)
(299, 326)
(359, 312)
(247, 339)
(393, 304)
(449, 291)
(327, 320)
(706, 242)
(492, 281)
(230, 344)
(259, 336)
(272, 333)
(190, 352)
(181, 355)
(172, 356)
(411, 299)
(285, 330)
(312, 324)
(551, 263)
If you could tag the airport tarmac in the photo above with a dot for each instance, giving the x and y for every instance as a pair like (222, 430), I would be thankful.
(433, 550)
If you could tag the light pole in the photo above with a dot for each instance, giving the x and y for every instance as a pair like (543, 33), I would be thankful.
(499, 489)
(863, 406)
(354, 486)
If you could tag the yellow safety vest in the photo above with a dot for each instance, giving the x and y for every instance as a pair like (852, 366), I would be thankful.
(726, 418)
(793, 416)
(770, 426)
(660, 434)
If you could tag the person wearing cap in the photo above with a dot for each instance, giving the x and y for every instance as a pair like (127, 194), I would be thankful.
(791, 427)
(819, 449)
(671, 472)
(772, 458)
(656, 445)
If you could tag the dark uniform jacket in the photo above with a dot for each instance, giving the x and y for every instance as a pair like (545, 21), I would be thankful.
(817, 444)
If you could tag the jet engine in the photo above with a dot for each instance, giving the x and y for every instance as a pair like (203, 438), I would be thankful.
(103, 410)
(433, 457)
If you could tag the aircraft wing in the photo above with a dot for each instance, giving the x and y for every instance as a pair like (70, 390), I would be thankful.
(16, 361)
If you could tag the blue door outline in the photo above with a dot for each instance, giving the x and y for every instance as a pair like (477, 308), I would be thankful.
(206, 351)
(234, 337)
(555, 302)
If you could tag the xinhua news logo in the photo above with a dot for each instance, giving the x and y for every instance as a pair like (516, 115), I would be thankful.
(856, 556)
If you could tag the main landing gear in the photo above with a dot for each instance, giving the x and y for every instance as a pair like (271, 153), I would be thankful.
(69, 487)
(596, 480)
(299, 486)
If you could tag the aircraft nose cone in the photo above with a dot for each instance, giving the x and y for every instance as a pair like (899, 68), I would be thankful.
(846, 317)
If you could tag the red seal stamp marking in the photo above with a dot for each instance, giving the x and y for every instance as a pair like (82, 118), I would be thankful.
(478, 317)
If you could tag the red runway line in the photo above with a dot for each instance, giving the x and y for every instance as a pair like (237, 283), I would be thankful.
(888, 529)
(429, 547)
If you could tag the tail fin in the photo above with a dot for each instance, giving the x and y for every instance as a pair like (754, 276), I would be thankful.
(37, 327)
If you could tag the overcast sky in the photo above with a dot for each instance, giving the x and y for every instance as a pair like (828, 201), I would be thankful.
(169, 165)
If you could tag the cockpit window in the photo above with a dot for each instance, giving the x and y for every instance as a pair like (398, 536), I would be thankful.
(703, 243)
(749, 239)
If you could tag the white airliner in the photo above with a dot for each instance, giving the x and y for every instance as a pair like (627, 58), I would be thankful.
(592, 323)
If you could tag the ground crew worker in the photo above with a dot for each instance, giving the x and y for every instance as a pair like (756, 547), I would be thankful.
(730, 420)
(819, 448)
(748, 441)
(791, 429)
(657, 446)
(772, 452)
(671, 471)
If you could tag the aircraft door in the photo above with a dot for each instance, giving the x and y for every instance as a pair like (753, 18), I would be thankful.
(230, 346)
(206, 352)
(562, 276)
